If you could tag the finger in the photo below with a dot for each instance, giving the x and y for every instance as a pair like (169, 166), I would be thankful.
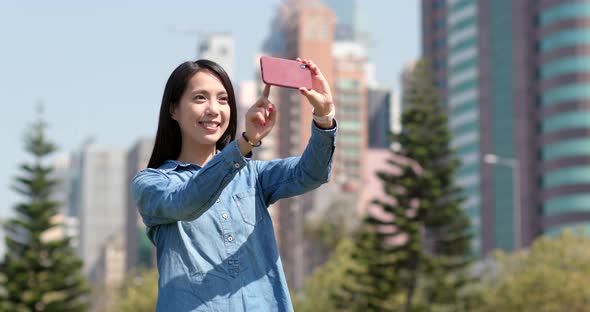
(315, 70)
(313, 67)
(299, 60)
(257, 118)
(262, 110)
(261, 118)
(270, 107)
(266, 91)
(272, 114)
(309, 94)
(304, 60)
(262, 102)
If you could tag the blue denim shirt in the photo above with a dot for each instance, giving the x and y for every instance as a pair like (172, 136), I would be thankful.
(214, 237)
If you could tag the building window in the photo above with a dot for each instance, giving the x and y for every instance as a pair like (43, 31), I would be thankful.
(347, 84)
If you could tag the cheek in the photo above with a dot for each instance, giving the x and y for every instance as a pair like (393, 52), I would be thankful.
(183, 112)
(191, 114)
(227, 114)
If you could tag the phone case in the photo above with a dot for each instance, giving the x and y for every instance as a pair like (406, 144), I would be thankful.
(284, 73)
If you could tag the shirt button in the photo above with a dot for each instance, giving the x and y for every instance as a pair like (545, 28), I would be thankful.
(236, 165)
(230, 238)
(224, 215)
(218, 201)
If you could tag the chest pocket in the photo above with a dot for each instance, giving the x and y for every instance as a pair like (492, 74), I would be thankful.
(251, 208)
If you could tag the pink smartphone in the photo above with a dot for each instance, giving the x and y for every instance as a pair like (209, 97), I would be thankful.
(284, 73)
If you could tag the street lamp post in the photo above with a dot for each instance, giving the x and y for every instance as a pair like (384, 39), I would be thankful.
(514, 166)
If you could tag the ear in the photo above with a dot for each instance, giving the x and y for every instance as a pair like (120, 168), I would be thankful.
(172, 111)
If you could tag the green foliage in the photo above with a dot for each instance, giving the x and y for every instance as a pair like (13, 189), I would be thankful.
(138, 294)
(39, 272)
(325, 280)
(334, 223)
(372, 282)
(553, 275)
(438, 255)
(326, 228)
(416, 258)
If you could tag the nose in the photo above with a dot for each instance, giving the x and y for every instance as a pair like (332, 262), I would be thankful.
(213, 108)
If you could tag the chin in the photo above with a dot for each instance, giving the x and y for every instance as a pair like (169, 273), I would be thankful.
(210, 140)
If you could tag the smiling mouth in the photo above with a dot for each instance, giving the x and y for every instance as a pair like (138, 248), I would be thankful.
(210, 125)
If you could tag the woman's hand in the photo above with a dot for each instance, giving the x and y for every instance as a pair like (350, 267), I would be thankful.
(260, 119)
(319, 96)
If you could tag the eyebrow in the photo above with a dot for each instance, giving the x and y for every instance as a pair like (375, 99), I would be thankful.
(197, 91)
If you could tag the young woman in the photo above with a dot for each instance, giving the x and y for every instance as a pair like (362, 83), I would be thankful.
(204, 201)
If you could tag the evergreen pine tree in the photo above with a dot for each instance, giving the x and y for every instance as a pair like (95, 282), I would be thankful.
(446, 237)
(419, 255)
(399, 235)
(357, 289)
(40, 272)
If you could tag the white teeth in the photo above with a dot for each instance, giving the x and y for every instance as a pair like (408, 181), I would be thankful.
(210, 124)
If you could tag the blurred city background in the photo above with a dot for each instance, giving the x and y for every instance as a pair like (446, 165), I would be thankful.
(512, 77)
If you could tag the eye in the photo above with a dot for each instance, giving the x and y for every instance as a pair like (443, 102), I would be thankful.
(223, 99)
(199, 98)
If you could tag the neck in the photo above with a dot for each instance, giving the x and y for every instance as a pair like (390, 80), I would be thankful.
(197, 154)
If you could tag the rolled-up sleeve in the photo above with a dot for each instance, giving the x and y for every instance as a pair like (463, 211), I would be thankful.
(293, 176)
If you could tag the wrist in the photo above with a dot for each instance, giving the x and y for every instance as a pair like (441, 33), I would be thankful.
(325, 125)
(324, 112)
(325, 120)
(250, 141)
(243, 146)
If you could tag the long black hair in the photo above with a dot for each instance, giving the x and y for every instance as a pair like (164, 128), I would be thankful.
(168, 137)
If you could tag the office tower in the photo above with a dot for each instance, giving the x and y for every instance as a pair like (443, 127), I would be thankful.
(399, 98)
(110, 273)
(434, 41)
(562, 153)
(350, 94)
(516, 78)
(407, 76)
(99, 200)
(62, 172)
(396, 112)
(139, 251)
(350, 21)
(300, 29)
(218, 47)
(110, 268)
(371, 75)
(379, 104)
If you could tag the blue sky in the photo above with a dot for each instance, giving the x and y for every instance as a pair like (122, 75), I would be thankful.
(100, 67)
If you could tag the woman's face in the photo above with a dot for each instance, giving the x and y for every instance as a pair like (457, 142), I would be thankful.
(203, 111)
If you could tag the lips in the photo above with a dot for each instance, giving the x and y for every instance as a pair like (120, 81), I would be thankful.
(210, 125)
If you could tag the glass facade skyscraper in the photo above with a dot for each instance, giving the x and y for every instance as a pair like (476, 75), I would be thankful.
(513, 76)
(564, 115)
